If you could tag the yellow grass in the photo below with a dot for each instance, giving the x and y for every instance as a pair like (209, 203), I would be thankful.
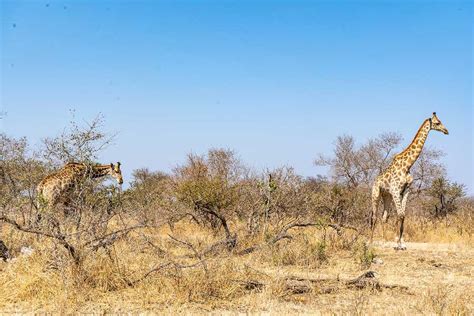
(438, 277)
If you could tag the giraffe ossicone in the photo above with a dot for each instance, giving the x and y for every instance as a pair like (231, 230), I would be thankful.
(392, 185)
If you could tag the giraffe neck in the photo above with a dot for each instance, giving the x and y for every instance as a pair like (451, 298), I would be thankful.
(413, 151)
(100, 171)
(89, 171)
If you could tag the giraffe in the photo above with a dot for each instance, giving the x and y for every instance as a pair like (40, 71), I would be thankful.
(392, 185)
(56, 186)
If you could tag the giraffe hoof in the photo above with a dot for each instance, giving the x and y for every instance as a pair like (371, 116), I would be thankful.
(400, 247)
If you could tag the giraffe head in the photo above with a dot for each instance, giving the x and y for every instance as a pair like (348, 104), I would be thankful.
(115, 172)
(437, 125)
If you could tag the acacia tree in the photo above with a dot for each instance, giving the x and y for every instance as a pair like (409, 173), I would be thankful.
(275, 195)
(426, 170)
(150, 196)
(208, 187)
(78, 142)
(354, 165)
(445, 196)
(20, 171)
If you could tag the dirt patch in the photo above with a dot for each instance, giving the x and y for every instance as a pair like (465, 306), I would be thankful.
(428, 278)
(424, 246)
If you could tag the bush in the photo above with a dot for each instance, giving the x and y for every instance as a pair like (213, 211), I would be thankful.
(444, 197)
(365, 254)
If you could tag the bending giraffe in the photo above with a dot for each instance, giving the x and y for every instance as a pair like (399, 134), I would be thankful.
(56, 186)
(393, 184)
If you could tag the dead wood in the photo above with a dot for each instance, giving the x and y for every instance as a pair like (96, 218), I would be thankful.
(250, 285)
(298, 287)
(4, 253)
(366, 280)
(369, 280)
(283, 234)
(197, 254)
(60, 238)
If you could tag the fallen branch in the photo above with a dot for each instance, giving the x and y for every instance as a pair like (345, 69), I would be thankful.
(154, 270)
(159, 250)
(58, 237)
(282, 234)
(251, 285)
(110, 238)
(228, 243)
(162, 267)
(4, 253)
(339, 228)
(365, 280)
(24, 229)
(369, 279)
(297, 287)
(294, 278)
(193, 249)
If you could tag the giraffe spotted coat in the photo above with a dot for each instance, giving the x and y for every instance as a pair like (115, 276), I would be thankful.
(392, 186)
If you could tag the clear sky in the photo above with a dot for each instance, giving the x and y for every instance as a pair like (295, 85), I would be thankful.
(277, 81)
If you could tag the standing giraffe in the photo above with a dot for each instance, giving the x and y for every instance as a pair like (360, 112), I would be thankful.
(56, 186)
(394, 182)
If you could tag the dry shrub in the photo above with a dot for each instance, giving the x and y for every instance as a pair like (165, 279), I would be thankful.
(35, 283)
(341, 204)
(44, 279)
(47, 278)
(150, 197)
(103, 273)
(34, 280)
(456, 228)
(302, 251)
(444, 300)
(364, 253)
(360, 302)
(207, 186)
(222, 283)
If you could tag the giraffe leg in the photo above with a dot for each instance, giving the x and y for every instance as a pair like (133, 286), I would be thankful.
(400, 244)
(375, 203)
(406, 191)
(397, 199)
(402, 221)
(387, 208)
(404, 201)
(384, 220)
(387, 205)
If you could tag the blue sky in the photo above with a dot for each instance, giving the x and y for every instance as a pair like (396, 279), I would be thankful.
(277, 81)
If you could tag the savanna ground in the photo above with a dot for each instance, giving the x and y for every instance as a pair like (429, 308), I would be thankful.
(434, 276)
(213, 236)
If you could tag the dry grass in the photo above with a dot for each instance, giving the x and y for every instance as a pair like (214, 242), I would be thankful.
(438, 277)
(454, 229)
